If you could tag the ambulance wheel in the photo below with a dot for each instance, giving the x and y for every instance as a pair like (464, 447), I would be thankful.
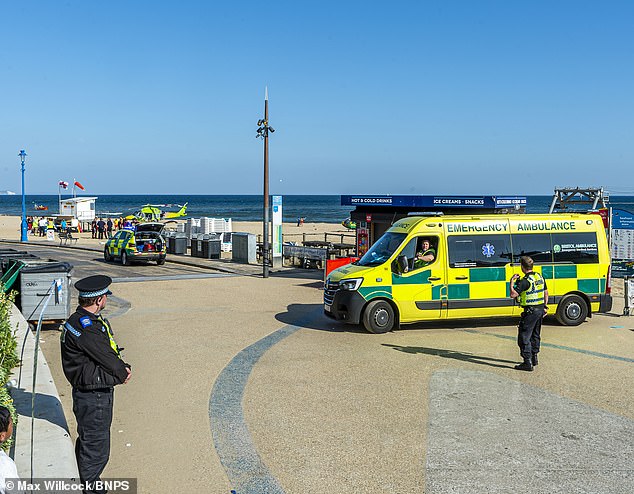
(572, 310)
(378, 317)
(124, 259)
(106, 255)
(160, 262)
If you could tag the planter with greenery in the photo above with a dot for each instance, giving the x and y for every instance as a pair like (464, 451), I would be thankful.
(8, 355)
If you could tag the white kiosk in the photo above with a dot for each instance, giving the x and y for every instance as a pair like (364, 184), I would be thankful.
(80, 209)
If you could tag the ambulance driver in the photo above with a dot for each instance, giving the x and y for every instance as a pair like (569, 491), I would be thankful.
(425, 255)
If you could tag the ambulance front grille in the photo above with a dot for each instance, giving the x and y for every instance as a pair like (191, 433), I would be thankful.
(329, 292)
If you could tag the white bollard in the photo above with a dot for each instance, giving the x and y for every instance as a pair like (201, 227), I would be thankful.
(628, 283)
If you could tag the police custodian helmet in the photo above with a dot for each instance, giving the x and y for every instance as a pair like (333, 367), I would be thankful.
(93, 286)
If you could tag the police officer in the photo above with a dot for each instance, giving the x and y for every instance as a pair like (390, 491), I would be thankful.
(533, 297)
(93, 365)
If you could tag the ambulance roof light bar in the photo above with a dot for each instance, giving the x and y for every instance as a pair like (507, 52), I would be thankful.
(426, 213)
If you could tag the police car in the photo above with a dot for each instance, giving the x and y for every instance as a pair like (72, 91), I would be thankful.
(144, 243)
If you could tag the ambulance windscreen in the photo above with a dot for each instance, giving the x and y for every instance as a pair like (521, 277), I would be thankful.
(382, 250)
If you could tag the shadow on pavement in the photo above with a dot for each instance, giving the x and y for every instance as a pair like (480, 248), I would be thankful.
(309, 274)
(465, 357)
(311, 316)
(474, 323)
(47, 407)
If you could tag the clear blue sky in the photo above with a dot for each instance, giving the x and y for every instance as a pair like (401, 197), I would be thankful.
(366, 97)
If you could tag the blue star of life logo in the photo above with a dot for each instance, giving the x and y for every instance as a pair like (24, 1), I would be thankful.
(488, 250)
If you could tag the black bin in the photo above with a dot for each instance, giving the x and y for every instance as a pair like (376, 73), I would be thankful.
(195, 248)
(211, 249)
(5, 259)
(180, 245)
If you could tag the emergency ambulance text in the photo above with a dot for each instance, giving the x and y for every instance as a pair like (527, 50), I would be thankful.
(466, 227)
(547, 226)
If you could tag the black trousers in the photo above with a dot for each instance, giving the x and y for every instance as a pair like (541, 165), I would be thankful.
(529, 331)
(93, 411)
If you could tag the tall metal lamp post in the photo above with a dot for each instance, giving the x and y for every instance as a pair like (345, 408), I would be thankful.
(263, 133)
(23, 237)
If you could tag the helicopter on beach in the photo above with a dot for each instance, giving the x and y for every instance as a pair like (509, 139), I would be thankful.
(154, 212)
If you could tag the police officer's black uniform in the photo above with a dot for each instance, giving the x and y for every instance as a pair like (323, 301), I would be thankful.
(93, 365)
(531, 289)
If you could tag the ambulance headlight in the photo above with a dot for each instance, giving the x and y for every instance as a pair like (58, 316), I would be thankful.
(351, 284)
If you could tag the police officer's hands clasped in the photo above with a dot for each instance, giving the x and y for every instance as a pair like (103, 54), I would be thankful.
(127, 379)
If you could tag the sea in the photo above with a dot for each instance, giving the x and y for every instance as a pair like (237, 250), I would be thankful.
(313, 208)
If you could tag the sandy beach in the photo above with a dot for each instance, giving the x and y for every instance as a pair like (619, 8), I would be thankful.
(10, 230)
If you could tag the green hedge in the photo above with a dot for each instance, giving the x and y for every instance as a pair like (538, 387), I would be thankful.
(8, 355)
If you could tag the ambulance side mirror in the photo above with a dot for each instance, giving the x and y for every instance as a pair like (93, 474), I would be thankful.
(401, 264)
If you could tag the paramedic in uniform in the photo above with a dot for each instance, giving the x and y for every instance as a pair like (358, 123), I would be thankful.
(93, 366)
(533, 297)
(425, 256)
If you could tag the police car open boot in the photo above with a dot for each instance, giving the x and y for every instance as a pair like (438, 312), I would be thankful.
(525, 366)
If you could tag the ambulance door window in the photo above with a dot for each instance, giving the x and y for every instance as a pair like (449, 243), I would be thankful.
(409, 251)
(535, 245)
(433, 245)
(577, 248)
(405, 258)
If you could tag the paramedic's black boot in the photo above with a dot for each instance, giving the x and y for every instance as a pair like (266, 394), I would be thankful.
(534, 360)
(525, 366)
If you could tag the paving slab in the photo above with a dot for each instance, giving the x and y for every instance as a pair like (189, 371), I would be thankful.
(489, 433)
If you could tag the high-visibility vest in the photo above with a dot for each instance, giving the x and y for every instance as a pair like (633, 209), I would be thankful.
(535, 293)
(113, 344)
(419, 263)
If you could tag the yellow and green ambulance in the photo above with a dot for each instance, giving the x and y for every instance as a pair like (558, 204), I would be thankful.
(474, 259)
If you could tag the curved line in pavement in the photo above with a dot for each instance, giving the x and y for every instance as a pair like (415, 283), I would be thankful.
(123, 306)
(245, 469)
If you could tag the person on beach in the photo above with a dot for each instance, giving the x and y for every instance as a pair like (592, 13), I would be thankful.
(93, 227)
(533, 297)
(43, 226)
(109, 227)
(93, 365)
(101, 228)
(8, 470)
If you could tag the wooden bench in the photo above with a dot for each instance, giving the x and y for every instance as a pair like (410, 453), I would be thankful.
(65, 237)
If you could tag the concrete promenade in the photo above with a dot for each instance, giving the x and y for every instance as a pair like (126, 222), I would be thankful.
(53, 453)
(240, 383)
